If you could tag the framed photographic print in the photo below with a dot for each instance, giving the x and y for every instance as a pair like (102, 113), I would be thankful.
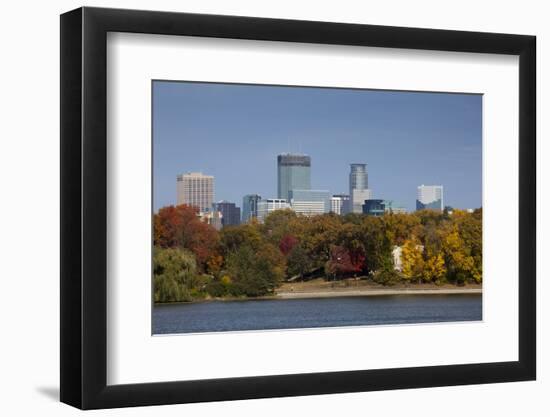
(258, 207)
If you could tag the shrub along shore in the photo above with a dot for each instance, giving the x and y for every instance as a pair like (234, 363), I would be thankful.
(192, 261)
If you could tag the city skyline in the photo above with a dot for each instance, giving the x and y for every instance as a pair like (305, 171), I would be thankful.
(393, 174)
(303, 201)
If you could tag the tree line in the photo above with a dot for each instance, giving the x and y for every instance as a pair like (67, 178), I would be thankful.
(192, 260)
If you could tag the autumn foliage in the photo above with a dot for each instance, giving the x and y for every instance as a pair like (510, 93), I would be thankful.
(252, 259)
(341, 263)
(179, 226)
(287, 243)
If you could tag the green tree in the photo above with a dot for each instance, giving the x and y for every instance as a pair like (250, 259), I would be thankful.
(233, 237)
(298, 262)
(174, 274)
(255, 273)
(278, 224)
(377, 246)
(317, 236)
(386, 274)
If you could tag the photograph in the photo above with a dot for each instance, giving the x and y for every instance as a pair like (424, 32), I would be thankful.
(307, 203)
(296, 207)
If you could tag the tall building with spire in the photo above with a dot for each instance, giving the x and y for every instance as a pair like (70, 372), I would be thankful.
(358, 187)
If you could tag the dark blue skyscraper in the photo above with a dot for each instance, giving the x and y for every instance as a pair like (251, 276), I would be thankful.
(231, 214)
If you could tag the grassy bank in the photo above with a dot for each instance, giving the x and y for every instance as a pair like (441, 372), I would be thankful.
(320, 288)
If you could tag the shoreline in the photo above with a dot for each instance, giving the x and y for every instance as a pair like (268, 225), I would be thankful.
(370, 292)
(356, 292)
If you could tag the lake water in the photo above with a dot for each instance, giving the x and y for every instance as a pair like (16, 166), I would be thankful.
(217, 316)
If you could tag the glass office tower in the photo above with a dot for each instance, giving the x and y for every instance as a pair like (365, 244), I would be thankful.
(293, 173)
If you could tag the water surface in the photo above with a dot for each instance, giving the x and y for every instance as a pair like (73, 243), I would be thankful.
(217, 316)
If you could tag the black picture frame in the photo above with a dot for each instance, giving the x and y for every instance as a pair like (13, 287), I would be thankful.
(84, 207)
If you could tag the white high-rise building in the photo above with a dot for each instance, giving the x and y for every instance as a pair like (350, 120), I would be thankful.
(196, 189)
(429, 197)
(270, 205)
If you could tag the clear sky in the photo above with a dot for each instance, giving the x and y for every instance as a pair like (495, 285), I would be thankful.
(235, 133)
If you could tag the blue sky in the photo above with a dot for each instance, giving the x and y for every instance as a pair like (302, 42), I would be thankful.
(235, 133)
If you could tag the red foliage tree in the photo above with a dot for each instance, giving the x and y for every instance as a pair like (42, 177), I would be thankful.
(342, 263)
(179, 226)
(287, 243)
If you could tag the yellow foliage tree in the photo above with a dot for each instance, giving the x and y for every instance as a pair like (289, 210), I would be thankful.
(459, 261)
(411, 259)
(434, 269)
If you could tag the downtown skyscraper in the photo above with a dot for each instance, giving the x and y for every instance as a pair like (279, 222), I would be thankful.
(293, 173)
(358, 187)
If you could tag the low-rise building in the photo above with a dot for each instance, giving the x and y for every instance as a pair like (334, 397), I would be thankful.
(310, 202)
(340, 204)
(392, 207)
(212, 217)
(231, 214)
(374, 207)
(269, 205)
